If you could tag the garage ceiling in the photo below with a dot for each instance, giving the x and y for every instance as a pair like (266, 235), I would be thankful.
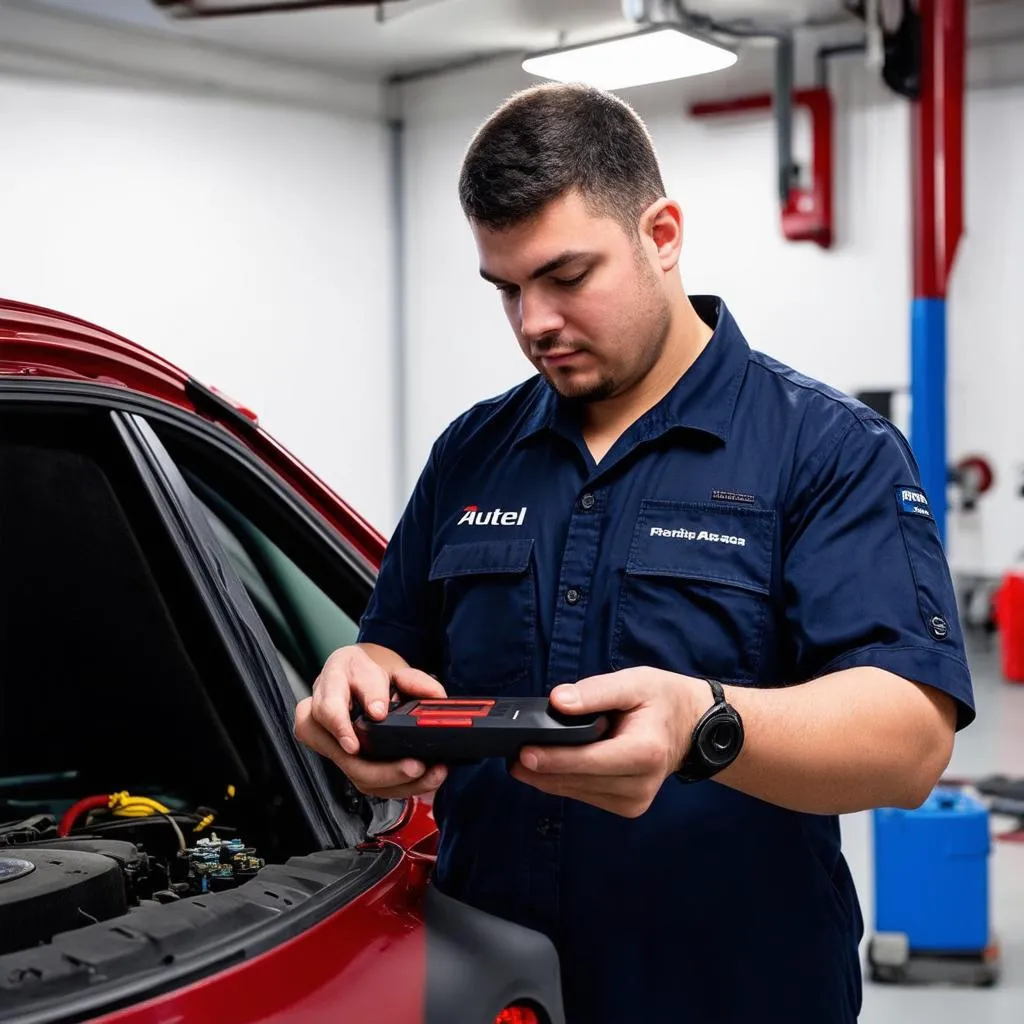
(335, 59)
(413, 34)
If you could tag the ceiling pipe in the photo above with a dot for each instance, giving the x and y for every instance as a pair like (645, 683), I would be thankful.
(827, 53)
(786, 171)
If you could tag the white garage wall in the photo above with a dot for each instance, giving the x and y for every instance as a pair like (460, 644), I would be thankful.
(986, 332)
(841, 316)
(247, 243)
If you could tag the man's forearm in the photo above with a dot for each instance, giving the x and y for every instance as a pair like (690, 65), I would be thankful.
(848, 741)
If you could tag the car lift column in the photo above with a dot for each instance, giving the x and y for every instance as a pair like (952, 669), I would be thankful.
(937, 141)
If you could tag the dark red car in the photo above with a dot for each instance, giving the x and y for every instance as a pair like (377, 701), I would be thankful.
(171, 582)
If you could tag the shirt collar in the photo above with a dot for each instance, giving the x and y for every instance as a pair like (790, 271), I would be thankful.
(703, 399)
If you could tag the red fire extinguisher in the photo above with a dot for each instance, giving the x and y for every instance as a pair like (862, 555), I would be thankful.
(1009, 615)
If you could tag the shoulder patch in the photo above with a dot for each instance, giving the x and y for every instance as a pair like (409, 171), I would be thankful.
(912, 501)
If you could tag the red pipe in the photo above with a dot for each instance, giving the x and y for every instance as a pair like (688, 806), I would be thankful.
(737, 105)
(938, 147)
(807, 213)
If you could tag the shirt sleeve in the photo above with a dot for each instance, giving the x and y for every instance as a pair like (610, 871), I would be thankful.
(400, 614)
(865, 577)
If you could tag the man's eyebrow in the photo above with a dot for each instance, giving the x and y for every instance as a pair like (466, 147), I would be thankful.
(559, 261)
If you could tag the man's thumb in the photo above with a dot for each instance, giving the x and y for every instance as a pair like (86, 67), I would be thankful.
(596, 693)
(567, 697)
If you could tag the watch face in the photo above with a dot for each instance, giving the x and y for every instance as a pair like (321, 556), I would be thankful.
(720, 739)
(717, 741)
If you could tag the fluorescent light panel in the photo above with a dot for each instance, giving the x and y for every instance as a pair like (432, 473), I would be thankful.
(650, 55)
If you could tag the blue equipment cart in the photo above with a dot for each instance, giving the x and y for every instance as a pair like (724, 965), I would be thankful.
(932, 893)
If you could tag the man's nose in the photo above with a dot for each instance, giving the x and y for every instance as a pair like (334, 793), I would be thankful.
(538, 316)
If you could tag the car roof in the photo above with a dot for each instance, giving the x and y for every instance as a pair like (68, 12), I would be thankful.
(35, 338)
(38, 342)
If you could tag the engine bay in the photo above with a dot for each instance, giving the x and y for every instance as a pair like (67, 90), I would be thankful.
(85, 918)
(110, 888)
(108, 855)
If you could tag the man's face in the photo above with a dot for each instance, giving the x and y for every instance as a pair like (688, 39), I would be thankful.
(588, 307)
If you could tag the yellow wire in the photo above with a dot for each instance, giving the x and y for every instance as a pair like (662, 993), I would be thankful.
(230, 793)
(125, 805)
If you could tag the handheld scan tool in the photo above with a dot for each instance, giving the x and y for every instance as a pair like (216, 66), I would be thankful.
(464, 729)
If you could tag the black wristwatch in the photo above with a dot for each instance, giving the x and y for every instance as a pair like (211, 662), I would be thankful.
(717, 739)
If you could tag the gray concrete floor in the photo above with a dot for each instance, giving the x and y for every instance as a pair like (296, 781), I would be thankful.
(994, 743)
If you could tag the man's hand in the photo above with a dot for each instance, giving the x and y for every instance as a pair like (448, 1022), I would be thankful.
(623, 772)
(324, 721)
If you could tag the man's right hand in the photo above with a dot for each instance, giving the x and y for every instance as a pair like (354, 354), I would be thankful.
(324, 721)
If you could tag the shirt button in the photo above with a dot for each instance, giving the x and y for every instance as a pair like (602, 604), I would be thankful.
(587, 502)
(573, 596)
(548, 827)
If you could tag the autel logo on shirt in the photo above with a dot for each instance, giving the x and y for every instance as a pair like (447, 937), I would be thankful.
(472, 515)
(703, 535)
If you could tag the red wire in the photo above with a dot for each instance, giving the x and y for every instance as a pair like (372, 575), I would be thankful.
(88, 803)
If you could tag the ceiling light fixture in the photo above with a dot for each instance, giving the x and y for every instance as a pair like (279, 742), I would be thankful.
(656, 54)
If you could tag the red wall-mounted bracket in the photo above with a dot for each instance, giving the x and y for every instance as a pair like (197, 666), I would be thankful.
(807, 212)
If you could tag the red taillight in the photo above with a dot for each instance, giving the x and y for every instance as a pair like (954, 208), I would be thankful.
(517, 1015)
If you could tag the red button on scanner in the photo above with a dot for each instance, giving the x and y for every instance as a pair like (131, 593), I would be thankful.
(455, 709)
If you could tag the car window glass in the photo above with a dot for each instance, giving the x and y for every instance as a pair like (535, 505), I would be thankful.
(307, 593)
(304, 623)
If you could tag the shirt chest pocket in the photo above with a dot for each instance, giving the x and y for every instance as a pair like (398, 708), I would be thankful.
(694, 593)
(489, 614)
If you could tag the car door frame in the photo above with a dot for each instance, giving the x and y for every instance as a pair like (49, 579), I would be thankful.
(236, 621)
(319, 539)
(336, 825)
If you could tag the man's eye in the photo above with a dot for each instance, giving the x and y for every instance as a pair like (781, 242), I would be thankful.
(572, 282)
(508, 291)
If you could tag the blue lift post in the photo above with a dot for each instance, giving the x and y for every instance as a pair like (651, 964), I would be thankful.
(937, 120)
(928, 400)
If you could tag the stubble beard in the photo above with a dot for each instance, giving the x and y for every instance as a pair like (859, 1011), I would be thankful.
(648, 349)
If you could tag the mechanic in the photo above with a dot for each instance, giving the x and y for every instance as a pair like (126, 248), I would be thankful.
(658, 512)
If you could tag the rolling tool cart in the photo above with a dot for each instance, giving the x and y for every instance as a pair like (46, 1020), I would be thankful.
(932, 894)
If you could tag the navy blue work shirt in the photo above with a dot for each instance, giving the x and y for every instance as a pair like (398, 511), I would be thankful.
(755, 526)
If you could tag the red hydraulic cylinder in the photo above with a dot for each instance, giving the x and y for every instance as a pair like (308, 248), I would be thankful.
(1009, 614)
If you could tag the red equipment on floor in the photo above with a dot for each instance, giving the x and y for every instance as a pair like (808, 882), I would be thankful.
(1009, 615)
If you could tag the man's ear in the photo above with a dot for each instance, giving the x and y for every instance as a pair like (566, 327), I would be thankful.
(662, 224)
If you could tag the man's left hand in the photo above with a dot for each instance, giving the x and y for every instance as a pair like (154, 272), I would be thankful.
(623, 772)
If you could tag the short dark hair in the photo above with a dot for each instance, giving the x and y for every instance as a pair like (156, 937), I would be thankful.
(550, 139)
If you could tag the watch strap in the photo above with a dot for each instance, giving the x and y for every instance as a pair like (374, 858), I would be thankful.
(717, 690)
